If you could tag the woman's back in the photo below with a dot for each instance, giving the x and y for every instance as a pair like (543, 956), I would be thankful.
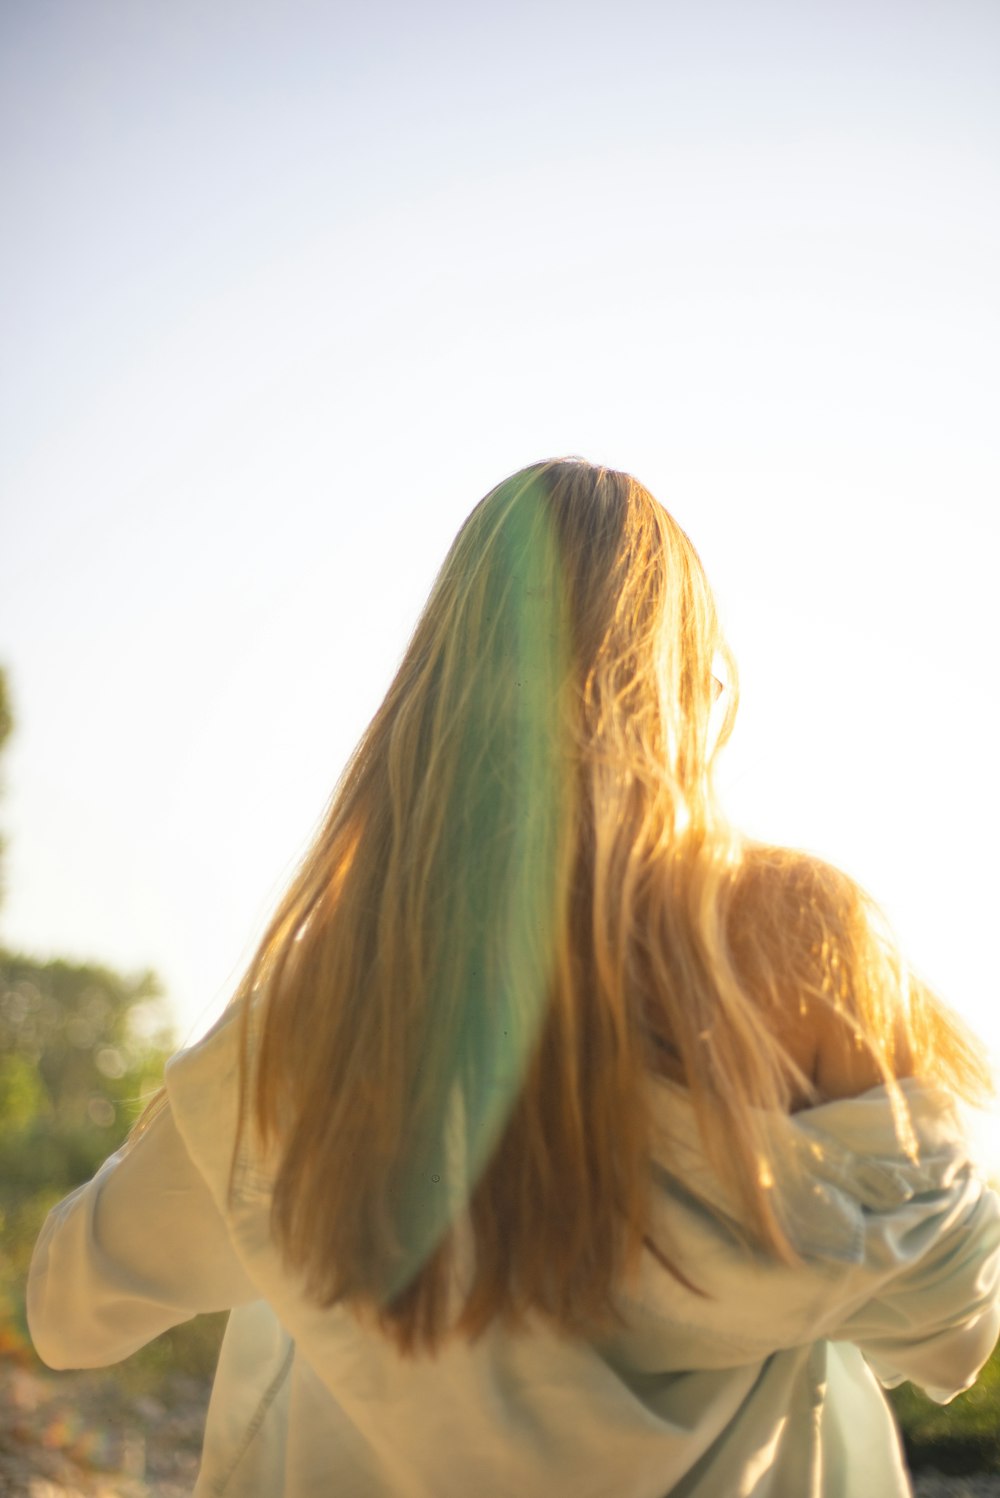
(550, 1109)
(751, 1378)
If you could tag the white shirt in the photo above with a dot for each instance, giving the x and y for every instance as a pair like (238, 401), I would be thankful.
(762, 1388)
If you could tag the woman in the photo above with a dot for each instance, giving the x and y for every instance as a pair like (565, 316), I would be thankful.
(558, 1140)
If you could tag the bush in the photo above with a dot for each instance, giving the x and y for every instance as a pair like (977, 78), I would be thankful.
(81, 1049)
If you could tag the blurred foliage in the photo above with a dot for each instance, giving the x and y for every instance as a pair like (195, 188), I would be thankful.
(957, 1438)
(6, 728)
(82, 1049)
(6, 713)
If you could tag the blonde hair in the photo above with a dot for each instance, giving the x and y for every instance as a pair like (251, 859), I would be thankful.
(523, 902)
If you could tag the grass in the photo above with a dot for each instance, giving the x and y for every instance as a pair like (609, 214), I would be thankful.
(960, 1437)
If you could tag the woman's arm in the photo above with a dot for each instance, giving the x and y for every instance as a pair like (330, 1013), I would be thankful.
(138, 1249)
(936, 1318)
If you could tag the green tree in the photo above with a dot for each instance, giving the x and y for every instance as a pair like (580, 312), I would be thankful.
(80, 1048)
(6, 717)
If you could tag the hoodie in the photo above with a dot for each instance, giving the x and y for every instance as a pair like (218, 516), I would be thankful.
(763, 1381)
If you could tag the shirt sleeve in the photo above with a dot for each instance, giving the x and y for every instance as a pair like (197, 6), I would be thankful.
(936, 1316)
(140, 1248)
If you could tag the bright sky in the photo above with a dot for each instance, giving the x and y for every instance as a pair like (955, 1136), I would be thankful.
(286, 288)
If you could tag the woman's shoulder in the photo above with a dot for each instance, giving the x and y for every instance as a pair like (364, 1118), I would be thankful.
(203, 1087)
(806, 938)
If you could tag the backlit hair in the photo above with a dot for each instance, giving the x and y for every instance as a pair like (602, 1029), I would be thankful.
(524, 901)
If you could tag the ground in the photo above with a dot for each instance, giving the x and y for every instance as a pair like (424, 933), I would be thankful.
(80, 1435)
(64, 1435)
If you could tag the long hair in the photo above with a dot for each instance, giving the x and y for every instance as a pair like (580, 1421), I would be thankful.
(524, 901)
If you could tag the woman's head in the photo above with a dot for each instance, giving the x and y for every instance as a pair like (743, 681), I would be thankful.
(584, 561)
